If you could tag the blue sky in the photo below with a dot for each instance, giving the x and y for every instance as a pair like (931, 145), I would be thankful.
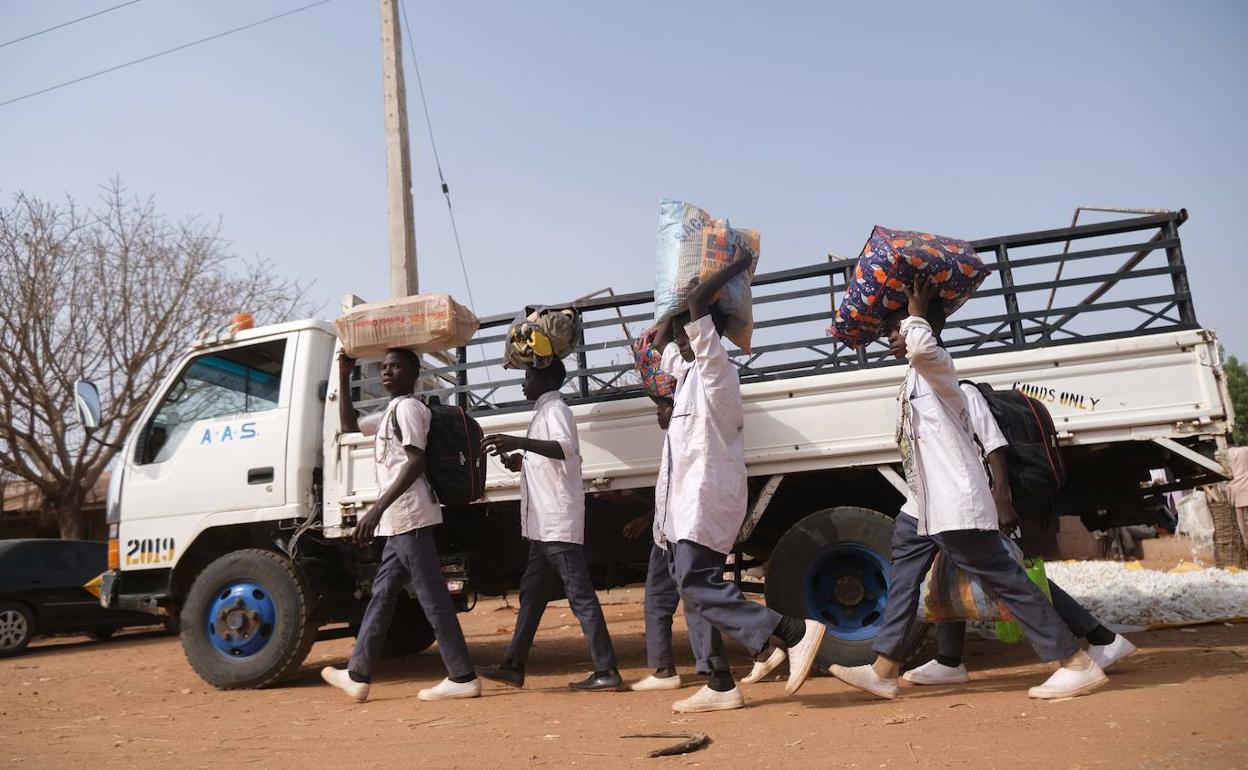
(562, 124)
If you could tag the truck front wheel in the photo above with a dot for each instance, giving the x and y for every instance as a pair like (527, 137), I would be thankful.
(247, 620)
(833, 566)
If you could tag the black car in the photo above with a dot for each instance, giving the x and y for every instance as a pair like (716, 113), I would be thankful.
(41, 592)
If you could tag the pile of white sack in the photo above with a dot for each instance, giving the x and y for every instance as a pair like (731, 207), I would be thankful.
(1119, 596)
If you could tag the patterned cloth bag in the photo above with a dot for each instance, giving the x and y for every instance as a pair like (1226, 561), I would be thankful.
(948, 593)
(654, 381)
(890, 261)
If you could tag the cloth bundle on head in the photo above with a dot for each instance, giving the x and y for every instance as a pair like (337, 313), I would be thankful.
(542, 335)
(424, 323)
(948, 593)
(890, 261)
(654, 381)
(693, 244)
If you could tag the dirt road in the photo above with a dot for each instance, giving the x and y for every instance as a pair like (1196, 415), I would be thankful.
(1181, 702)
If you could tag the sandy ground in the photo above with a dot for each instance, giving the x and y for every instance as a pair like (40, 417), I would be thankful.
(1181, 702)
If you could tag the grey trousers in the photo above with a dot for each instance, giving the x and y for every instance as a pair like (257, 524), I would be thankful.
(568, 561)
(699, 575)
(661, 600)
(951, 636)
(982, 554)
(411, 557)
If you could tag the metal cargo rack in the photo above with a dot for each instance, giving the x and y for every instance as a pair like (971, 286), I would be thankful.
(1125, 277)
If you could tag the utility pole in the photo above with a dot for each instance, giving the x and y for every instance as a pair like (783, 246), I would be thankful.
(404, 280)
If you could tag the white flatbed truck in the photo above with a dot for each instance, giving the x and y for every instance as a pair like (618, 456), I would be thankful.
(233, 504)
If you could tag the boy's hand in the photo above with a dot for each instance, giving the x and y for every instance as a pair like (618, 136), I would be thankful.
(500, 443)
(634, 528)
(648, 337)
(920, 295)
(740, 254)
(345, 363)
(366, 525)
(1007, 517)
(513, 462)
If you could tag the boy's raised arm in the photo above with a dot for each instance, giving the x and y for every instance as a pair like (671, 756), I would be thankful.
(347, 415)
(924, 352)
(702, 295)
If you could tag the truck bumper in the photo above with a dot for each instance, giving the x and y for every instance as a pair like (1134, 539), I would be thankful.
(114, 598)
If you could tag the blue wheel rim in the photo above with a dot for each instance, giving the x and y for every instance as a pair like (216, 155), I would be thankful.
(846, 587)
(241, 619)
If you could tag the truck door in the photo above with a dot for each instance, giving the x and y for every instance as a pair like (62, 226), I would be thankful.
(216, 443)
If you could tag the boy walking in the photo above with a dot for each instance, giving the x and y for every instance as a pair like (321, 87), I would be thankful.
(950, 508)
(404, 514)
(701, 496)
(662, 598)
(552, 519)
(1104, 646)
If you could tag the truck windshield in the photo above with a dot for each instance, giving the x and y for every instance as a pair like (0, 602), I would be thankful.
(214, 385)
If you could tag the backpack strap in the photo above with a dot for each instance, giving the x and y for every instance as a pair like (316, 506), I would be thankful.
(395, 430)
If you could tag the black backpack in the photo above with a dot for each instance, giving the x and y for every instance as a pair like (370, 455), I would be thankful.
(1036, 466)
(454, 462)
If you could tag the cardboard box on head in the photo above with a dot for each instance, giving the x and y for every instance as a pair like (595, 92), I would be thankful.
(424, 323)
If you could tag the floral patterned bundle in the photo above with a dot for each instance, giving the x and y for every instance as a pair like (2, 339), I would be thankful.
(889, 263)
(654, 381)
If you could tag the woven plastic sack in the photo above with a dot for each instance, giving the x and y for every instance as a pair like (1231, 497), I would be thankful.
(425, 323)
(948, 593)
(541, 336)
(693, 244)
(889, 262)
(654, 381)
(1008, 631)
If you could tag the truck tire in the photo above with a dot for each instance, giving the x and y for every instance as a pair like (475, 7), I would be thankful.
(247, 620)
(17, 628)
(833, 566)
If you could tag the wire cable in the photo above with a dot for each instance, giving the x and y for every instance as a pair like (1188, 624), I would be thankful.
(67, 23)
(165, 52)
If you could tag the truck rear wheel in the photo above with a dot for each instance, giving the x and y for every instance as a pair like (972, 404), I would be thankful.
(247, 620)
(833, 566)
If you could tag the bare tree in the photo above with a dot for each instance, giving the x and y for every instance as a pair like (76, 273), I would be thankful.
(112, 293)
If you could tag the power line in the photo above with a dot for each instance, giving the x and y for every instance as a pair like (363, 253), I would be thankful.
(165, 52)
(446, 190)
(67, 23)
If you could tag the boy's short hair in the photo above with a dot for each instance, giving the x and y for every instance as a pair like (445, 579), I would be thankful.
(409, 357)
(556, 373)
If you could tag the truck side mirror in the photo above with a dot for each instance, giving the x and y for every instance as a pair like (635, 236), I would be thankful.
(87, 399)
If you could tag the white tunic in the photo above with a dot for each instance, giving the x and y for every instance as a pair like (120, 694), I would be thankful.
(945, 468)
(701, 493)
(552, 494)
(416, 507)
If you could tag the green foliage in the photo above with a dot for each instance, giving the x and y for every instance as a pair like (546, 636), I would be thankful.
(1237, 384)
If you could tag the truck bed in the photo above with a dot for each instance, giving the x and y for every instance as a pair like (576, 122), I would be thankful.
(1160, 386)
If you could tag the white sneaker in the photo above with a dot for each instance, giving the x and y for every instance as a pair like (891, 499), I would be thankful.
(764, 667)
(935, 672)
(802, 656)
(448, 690)
(865, 679)
(653, 682)
(1067, 683)
(707, 699)
(338, 677)
(1107, 655)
